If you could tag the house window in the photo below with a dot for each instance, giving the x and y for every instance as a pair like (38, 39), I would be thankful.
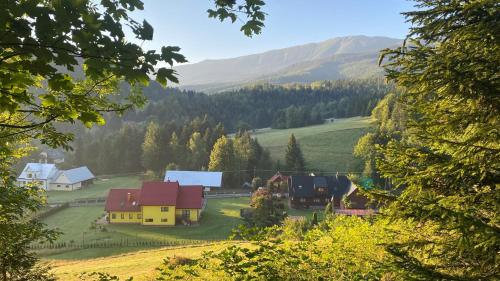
(186, 213)
(326, 200)
(122, 216)
(113, 216)
(67, 186)
(139, 216)
(30, 176)
(302, 200)
(58, 185)
(130, 216)
(316, 200)
(164, 220)
(148, 220)
(164, 209)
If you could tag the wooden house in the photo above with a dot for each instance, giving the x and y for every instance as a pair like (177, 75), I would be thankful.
(318, 191)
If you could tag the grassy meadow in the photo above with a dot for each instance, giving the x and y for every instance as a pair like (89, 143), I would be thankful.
(327, 147)
(139, 264)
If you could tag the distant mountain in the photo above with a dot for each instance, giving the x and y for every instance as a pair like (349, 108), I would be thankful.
(337, 58)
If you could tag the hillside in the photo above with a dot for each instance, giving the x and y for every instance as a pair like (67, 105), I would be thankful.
(337, 58)
(327, 147)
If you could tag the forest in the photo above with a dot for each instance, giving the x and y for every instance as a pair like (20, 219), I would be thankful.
(180, 123)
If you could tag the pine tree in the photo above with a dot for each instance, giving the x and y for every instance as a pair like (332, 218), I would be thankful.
(448, 160)
(294, 160)
(151, 154)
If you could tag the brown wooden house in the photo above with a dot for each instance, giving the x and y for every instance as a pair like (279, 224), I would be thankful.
(318, 191)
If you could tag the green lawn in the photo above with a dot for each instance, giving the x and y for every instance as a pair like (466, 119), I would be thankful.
(216, 223)
(98, 189)
(327, 147)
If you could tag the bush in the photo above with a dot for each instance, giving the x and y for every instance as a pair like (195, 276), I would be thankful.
(338, 248)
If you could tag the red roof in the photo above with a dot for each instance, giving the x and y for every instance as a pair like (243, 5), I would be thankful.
(119, 201)
(190, 197)
(159, 193)
(278, 176)
(155, 194)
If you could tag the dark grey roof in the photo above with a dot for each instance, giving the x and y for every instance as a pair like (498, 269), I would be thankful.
(320, 182)
(339, 185)
(303, 186)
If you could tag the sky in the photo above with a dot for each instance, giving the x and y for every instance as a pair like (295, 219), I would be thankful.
(185, 23)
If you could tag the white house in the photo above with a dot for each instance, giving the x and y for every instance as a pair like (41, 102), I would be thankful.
(206, 179)
(72, 179)
(37, 173)
(48, 177)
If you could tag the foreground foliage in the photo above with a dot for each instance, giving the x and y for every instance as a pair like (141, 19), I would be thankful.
(444, 156)
(339, 248)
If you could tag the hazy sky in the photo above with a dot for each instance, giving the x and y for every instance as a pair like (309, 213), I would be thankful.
(185, 23)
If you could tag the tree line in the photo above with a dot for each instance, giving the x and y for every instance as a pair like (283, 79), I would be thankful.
(263, 105)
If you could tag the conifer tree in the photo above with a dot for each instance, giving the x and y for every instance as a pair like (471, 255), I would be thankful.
(294, 160)
(151, 154)
(448, 159)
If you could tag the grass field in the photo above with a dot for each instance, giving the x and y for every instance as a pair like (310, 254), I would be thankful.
(99, 188)
(140, 264)
(219, 218)
(327, 147)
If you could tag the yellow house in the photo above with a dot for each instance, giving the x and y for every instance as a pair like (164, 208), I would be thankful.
(156, 203)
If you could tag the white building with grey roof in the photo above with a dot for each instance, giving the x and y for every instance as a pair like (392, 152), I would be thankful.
(48, 177)
(40, 174)
(72, 179)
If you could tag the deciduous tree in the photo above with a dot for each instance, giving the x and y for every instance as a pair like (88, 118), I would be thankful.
(222, 158)
(151, 154)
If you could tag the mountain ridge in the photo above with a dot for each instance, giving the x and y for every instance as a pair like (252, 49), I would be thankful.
(332, 59)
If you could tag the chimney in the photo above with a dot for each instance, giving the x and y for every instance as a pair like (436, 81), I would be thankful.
(129, 197)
